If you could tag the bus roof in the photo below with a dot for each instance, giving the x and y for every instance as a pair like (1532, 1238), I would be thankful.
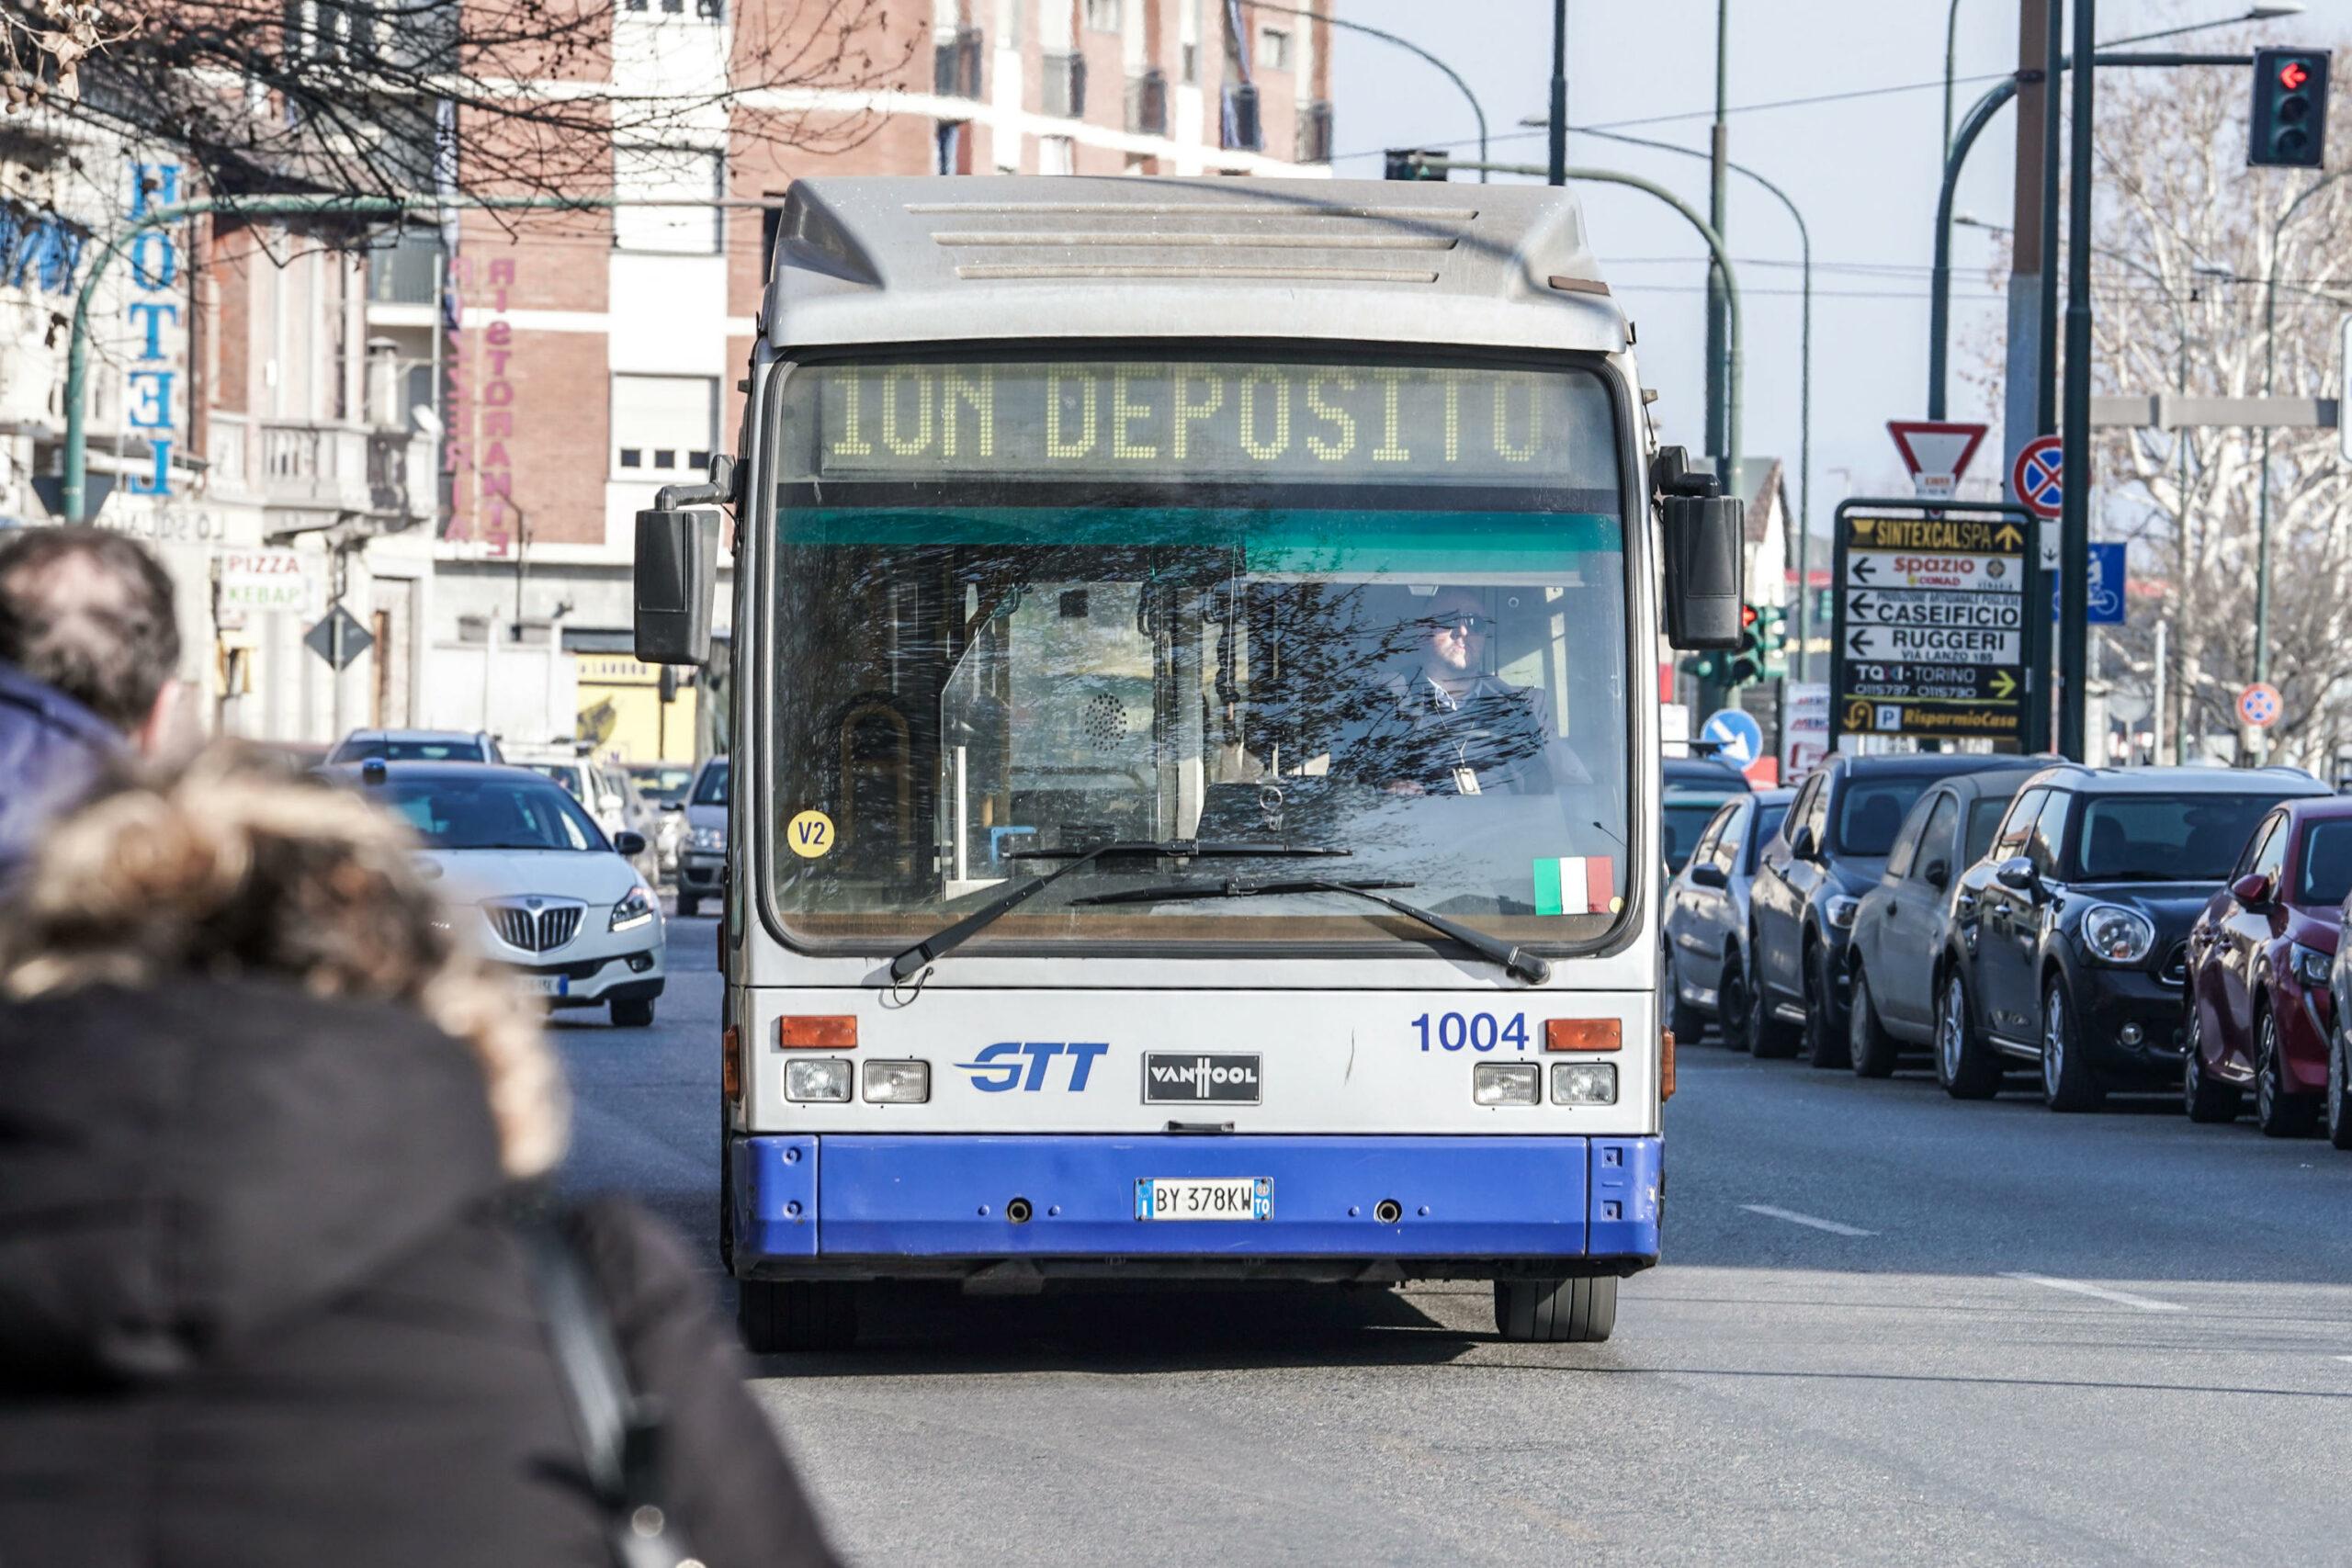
(947, 259)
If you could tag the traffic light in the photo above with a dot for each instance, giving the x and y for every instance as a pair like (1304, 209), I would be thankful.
(1747, 660)
(1772, 635)
(2290, 125)
(1710, 669)
(1414, 164)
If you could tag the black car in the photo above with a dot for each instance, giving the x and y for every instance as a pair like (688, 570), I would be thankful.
(1831, 850)
(2068, 941)
(1891, 984)
(1694, 786)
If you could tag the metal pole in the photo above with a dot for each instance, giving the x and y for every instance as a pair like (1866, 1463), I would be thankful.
(1718, 158)
(2046, 371)
(1951, 46)
(2075, 526)
(1558, 172)
(1939, 279)
(1407, 45)
(2156, 725)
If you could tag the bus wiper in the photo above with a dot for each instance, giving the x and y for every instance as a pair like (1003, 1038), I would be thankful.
(1514, 960)
(939, 944)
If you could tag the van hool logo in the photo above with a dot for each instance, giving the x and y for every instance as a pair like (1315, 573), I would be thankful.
(1191, 1080)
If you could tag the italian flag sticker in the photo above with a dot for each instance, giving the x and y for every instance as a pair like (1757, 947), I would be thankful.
(1583, 886)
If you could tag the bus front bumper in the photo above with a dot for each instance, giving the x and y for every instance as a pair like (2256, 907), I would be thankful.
(861, 1206)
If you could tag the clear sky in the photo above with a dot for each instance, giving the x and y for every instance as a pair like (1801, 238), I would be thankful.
(1863, 172)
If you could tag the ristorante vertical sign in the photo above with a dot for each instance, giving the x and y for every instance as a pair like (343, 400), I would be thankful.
(152, 386)
(480, 402)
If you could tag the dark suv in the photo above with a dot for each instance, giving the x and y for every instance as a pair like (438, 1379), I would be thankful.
(2068, 945)
(1830, 851)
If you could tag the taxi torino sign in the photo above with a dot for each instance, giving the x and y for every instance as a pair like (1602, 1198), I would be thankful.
(1929, 620)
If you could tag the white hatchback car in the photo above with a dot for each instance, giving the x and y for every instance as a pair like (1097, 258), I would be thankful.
(560, 904)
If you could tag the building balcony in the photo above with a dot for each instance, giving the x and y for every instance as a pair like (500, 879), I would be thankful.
(335, 467)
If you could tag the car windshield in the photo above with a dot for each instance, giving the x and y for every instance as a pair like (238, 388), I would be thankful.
(712, 791)
(1872, 811)
(2326, 873)
(1025, 606)
(493, 812)
(2165, 838)
(1983, 820)
(663, 785)
(568, 775)
(1682, 818)
(405, 751)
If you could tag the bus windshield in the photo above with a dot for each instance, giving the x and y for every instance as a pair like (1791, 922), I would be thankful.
(1022, 607)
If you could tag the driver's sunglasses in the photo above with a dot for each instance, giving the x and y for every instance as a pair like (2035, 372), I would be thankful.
(1469, 623)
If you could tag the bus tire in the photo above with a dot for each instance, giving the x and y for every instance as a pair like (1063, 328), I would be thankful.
(780, 1316)
(1556, 1312)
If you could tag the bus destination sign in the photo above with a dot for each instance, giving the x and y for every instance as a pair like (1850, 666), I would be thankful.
(1199, 422)
(1931, 624)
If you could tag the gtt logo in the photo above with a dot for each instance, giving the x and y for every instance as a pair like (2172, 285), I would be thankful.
(996, 1068)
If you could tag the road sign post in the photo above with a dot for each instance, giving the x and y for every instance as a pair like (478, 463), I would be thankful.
(1932, 638)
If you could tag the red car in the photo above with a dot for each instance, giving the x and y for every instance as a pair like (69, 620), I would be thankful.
(2256, 1001)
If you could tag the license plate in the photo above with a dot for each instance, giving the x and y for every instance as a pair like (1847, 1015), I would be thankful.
(549, 985)
(1205, 1198)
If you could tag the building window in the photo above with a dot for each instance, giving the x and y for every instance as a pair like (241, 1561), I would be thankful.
(1192, 54)
(689, 176)
(664, 427)
(704, 10)
(1274, 50)
(1103, 15)
(1057, 155)
(1063, 87)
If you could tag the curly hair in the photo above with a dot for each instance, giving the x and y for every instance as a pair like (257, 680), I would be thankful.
(234, 865)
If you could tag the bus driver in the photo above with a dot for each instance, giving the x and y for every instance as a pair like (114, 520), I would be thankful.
(1449, 727)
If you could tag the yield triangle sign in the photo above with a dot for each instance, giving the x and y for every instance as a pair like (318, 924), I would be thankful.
(1936, 451)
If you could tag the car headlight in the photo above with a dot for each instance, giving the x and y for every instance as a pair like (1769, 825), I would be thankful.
(711, 839)
(636, 907)
(2116, 935)
(2312, 965)
(1840, 912)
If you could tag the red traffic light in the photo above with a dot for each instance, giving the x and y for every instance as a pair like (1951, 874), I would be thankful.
(2293, 74)
(1747, 617)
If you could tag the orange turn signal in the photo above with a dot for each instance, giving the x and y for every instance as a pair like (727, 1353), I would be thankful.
(1666, 1064)
(1580, 1034)
(816, 1033)
(730, 1063)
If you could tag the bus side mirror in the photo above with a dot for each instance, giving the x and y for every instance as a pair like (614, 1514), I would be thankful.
(677, 573)
(1702, 539)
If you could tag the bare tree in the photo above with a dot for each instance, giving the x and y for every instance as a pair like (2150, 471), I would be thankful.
(377, 96)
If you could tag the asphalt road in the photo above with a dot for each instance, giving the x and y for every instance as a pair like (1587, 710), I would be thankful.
(1890, 1327)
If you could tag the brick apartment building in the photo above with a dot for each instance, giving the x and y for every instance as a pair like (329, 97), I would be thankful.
(577, 362)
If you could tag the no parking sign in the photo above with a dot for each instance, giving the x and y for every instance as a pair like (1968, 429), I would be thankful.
(2260, 704)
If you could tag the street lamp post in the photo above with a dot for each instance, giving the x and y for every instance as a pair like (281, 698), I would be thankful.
(1408, 46)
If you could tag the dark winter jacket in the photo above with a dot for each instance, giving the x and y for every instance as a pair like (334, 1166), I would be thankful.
(52, 750)
(261, 1302)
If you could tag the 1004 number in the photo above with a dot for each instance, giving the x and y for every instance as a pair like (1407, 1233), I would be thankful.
(1477, 1030)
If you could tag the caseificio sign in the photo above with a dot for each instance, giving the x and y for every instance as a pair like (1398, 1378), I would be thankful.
(1929, 624)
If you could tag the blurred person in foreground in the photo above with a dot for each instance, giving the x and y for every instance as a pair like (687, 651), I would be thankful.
(87, 649)
(269, 1149)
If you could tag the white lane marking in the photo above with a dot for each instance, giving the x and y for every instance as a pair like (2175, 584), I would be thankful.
(2121, 1298)
(1832, 1226)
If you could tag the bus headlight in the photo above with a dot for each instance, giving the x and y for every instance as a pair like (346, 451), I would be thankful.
(1506, 1083)
(825, 1078)
(897, 1083)
(1583, 1083)
(2117, 935)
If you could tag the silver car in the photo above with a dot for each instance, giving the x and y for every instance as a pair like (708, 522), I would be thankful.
(702, 858)
(1706, 914)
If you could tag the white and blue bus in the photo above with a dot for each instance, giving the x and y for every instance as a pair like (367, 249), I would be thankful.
(1196, 808)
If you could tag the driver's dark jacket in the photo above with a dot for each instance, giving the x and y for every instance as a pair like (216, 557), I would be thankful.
(1418, 733)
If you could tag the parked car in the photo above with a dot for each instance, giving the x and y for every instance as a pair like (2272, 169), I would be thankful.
(1694, 786)
(1706, 914)
(417, 746)
(1830, 851)
(1902, 921)
(560, 904)
(2069, 940)
(2261, 954)
(663, 786)
(702, 858)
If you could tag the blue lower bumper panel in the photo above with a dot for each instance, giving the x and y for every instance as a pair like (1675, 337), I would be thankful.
(1459, 1198)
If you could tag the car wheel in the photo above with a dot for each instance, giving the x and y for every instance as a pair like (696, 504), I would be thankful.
(2206, 1099)
(2278, 1111)
(1965, 1065)
(1769, 1039)
(632, 1014)
(1685, 1020)
(1556, 1312)
(1868, 1046)
(2067, 1082)
(1825, 1041)
(687, 905)
(2339, 1091)
(1732, 1004)
(776, 1316)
